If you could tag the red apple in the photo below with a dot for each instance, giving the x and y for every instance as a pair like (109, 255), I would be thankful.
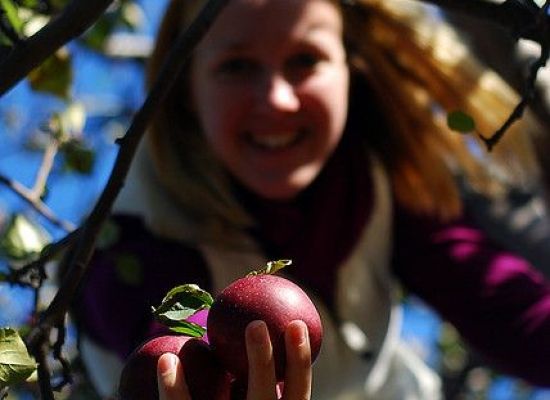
(275, 300)
(205, 377)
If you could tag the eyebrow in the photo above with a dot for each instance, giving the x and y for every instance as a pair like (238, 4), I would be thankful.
(239, 45)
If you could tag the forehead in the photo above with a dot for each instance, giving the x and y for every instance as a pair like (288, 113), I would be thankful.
(245, 21)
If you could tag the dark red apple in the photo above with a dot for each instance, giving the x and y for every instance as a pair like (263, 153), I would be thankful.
(275, 300)
(205, 377)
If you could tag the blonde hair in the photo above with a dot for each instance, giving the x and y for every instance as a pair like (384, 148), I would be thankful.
(417, 69)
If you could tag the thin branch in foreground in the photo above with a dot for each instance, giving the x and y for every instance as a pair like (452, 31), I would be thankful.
(28, 54)
(76, 261)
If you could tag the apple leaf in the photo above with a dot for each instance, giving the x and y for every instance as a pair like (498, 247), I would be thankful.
(16, 365)
(10, 12)
(187, 328)
(22, 239)
(461, 122)
(79, 157)
(109, 235)
(53, 76)
(179, 304)
(272, 267)
(129, 269)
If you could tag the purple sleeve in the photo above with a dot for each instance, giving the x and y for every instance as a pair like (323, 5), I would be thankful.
(125, 280)
(496, 300)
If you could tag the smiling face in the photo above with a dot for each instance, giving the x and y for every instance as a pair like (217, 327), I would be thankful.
(269, 85)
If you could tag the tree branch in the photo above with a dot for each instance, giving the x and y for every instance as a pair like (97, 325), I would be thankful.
(517, 16)
(37, 204)
(76, 262)
(529, 91)
(48, 253)
(26, 55)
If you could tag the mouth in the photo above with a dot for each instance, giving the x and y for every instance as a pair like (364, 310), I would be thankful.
(277, 141)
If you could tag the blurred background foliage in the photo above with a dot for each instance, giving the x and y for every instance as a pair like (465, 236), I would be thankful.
(57, 133)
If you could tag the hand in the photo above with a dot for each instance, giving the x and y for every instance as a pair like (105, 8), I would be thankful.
(261, 367)
(261, 376)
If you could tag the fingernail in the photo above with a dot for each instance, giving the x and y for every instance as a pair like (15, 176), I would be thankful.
(257, 331)
(298, 333)
(166, 364)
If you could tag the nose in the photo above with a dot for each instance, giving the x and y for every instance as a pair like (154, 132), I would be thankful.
(278, 94)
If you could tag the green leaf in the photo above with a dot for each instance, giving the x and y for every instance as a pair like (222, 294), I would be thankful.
(78, 156)
(461, 122)
(54, 75)
(59, 4)
(10, 11)
(29, 3)
(132, 15)
(179, 304)
(272, 267)
(22, 238)
(188, 329)
(129, 269)
(109, 235)
(97, 35)
(16, 365)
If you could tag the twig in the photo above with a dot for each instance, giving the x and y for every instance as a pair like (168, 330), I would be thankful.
(516, 16)
(45, 169)
(529, 91)
(48, 253)
(58, 355)
(40, 353)
(76, 262)
(28, 195)
(78, 16)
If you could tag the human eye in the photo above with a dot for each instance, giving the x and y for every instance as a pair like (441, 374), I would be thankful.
(302, 64)
(237, 66)
(304, 60)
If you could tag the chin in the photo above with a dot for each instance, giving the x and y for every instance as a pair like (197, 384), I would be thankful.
(287, 188)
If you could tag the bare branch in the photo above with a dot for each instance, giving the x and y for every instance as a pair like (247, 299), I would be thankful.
(518, 17)
(45, 169)
(58, 355)
(47, 254)
(37, 204)
(40, 354)
(528, 95)
(76, 260)
(78, 16)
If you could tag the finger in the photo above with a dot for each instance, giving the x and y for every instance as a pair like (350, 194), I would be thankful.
(298, 362)
(261, 367)
(170, 378)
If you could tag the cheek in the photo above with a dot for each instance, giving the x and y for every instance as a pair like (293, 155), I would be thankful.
(327, 99)
(217, 113)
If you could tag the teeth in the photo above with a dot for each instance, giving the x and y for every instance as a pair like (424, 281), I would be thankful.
(274, 141)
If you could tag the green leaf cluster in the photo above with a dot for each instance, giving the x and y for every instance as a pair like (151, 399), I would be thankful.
(179, 304)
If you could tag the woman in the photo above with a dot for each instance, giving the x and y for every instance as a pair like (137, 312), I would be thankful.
(315, 130)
